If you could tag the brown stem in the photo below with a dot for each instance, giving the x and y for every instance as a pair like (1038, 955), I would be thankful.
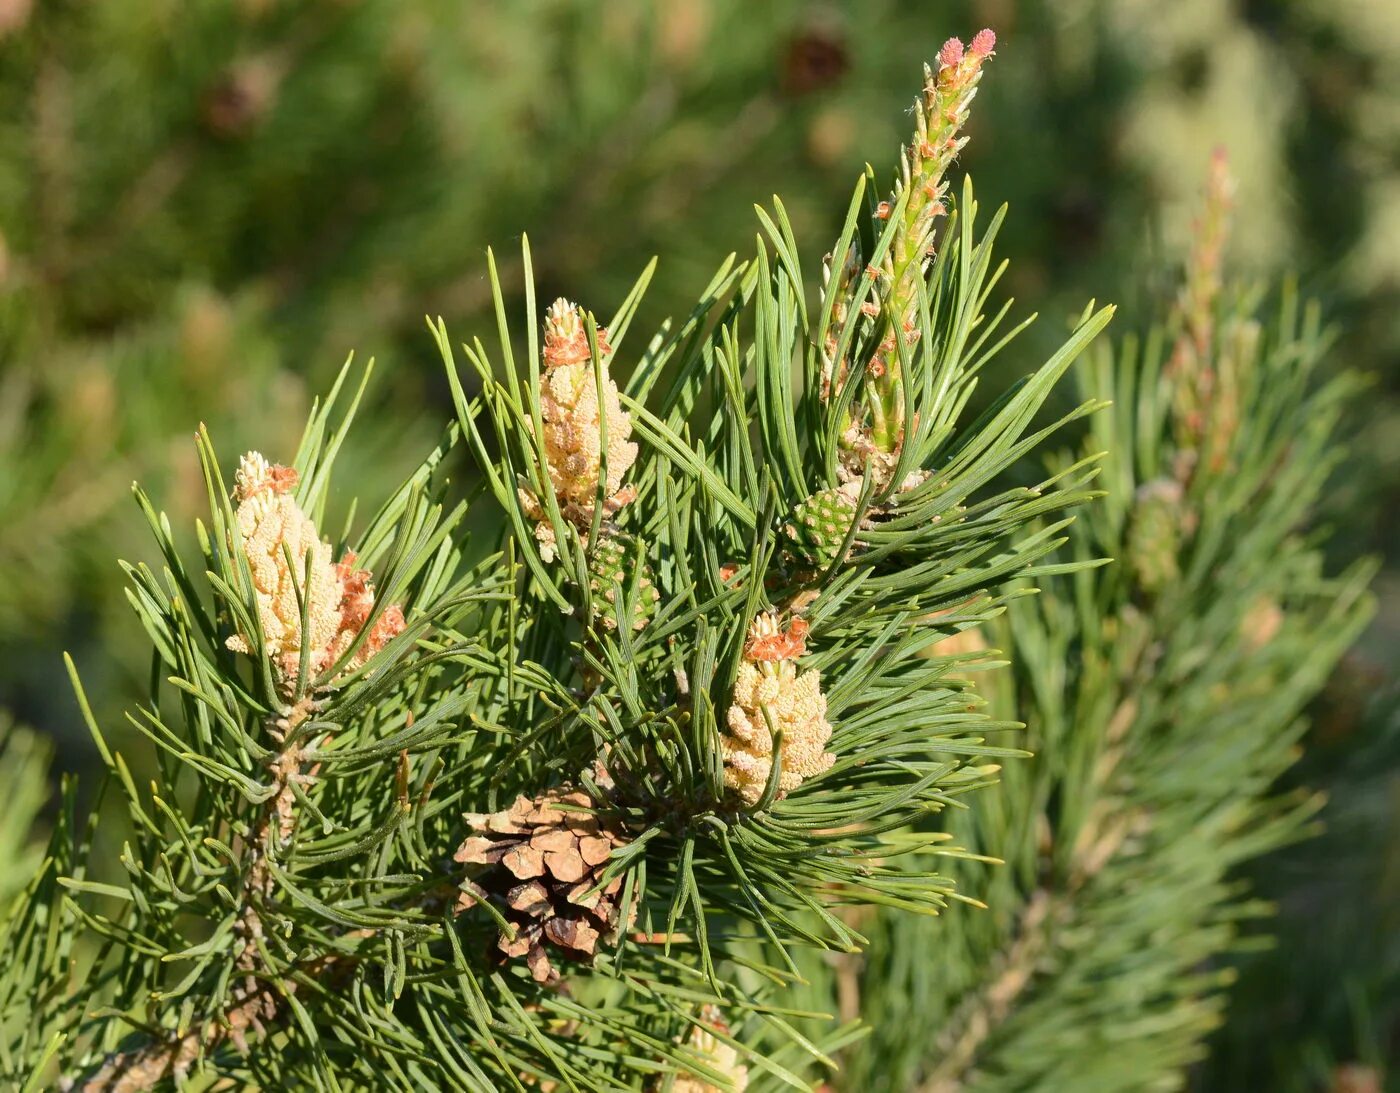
(145, 1067)
(253, 1001)
(1046, 914)
(979, 1014)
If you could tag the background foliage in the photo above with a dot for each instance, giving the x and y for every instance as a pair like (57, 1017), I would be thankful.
(202, 208)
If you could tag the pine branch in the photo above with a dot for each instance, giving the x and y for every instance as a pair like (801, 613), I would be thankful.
(1010, 972)
(706, 688)
(255, 1003)
(1041, 923)
(1163, 698)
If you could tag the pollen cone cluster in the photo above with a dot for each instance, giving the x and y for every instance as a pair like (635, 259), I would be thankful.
(573, 427)
(551, 853)
(770, 690)
(718, 1055)
(290, 562)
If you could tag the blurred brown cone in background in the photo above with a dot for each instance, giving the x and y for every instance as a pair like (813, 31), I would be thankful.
(1356, 1078)
(245, 95)
(14, 14)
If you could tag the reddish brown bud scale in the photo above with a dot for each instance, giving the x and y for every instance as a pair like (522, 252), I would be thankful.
(283, 479)
(768, 641)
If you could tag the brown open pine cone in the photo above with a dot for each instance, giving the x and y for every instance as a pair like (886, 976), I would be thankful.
(552, 857)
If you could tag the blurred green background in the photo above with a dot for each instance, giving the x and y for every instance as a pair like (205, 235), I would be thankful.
(205, 206)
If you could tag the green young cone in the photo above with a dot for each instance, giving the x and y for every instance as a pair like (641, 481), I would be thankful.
(819, 527)
(611, 563)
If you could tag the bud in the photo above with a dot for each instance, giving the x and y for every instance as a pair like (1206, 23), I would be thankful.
(820, 524)
(1155, 534)
(610, 564)
(1204, 374)
(769, 687)
(874, 434)
(951, 54)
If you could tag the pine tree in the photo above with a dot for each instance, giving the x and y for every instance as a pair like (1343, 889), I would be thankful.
(1163, 701)
(590, 805)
